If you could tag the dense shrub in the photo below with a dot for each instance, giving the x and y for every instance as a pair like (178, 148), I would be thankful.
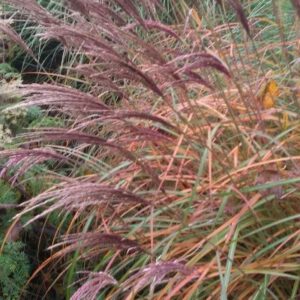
(14, 263)
(14, 271)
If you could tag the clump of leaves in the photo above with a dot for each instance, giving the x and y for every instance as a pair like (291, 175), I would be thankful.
(5, 136)
(14, 263)
(7, 72)
(13, 121)
(9, 199)
(14, 270)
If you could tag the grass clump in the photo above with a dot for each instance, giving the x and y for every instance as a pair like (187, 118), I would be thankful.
(174, 169)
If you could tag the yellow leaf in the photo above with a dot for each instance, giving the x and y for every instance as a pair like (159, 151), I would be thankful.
(270, 92)
(268, 101)
(272, 88)
(285, 120)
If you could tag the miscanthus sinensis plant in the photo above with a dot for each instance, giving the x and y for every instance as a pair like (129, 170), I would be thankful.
(180, 149)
